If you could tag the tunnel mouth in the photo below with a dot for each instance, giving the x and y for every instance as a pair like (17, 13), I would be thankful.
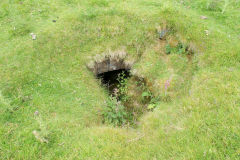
(128, 94)
(111, 80)
(128, 97)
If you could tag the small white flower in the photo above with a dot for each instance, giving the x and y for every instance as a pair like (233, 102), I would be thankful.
(36, 113)
(34, 36)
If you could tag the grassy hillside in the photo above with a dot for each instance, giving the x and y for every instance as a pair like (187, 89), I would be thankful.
(46, 87)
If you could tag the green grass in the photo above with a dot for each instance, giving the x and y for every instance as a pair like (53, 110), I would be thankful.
(49, 75)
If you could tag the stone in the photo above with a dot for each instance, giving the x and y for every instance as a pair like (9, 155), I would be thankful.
(105, 63)
(34, 36)
(162, 34)
(203, 17)
(39, 137)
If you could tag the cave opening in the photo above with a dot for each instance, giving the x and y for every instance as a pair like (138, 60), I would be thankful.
(111, 79)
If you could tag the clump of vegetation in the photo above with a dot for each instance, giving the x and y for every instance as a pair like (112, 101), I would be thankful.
(179, 49)
(115, 112)
(147, 97)
(120, 110)
(122, 88)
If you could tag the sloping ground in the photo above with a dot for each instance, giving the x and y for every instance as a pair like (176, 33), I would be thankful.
(49, 75)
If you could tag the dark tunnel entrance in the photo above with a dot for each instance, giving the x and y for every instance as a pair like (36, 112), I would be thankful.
(111, 80)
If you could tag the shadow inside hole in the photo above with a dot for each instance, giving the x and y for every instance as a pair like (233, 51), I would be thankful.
(111, 79)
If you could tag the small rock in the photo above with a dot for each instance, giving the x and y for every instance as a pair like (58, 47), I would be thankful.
(34, 36)
(203, 17)
(39, 137)
(61, 144)
(162, 34)
(231, 69)
(54, 21)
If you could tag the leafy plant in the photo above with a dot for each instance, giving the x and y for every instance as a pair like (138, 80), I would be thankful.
(168, 49)
(179, 49)
(115, 112)
(148, 97)
(146, 94)
(122, 87)
(151, 106)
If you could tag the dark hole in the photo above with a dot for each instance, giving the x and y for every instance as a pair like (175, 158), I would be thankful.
(110, 79)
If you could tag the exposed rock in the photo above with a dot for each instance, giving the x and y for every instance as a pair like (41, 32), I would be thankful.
(203, 17)
(162, 34)
(109, 62)
(162, 31)
(39, 137)
(34, 36)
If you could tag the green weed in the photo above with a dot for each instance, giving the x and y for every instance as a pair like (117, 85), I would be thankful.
(179, 49)
(115, 112)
